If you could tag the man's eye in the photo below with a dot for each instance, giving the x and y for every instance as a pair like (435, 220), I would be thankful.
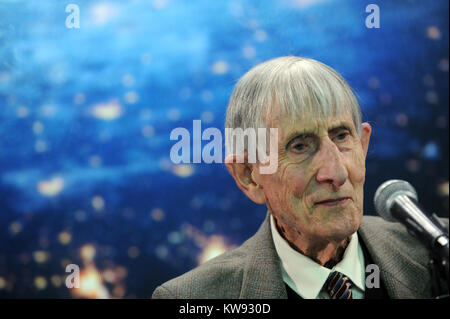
(342, 136)
(299, 147)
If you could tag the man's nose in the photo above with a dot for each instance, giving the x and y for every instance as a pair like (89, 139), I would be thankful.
(331, 167)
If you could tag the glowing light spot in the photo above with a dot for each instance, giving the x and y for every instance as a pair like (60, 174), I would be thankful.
(80, 215)
(48, 110)
(173, 115)
(236, 8)
(107, 111)
(79, 98)
(98, 203)
(183, 170)
(174, 237)
(433, 32)
(185, 93)
(25, 258)
(249, 52)
(40, 282)
(146, 58)
(51, 187)
(43, 242)
(386, 98)
(145, 114)
(161, 252)
(220, 67)
(260, 35)
(22, 111)
(2, 283)
(15, 228)
(11, 99)
(402, 119)
(95, 161)
(374, 83)
(131, 97)
(432, 97)
(121, 272)
(56, 280)
(165, 164)
(428, 80)
(38, 127)
(441, 122)
(148, 131)
(40, 146)
(4, 76)
(65, 262)
(118, 291)
(207, 96)
(133, 252)
(214, 247)
(305, 3)
(443, 65)
(103, 13)
(87, 252)
(40, 256)
(109, 276)
(128, 80)
(207, 117)
(443, 189)
(209, 226)
(91, 285)
(64, 237)
(157, 214)
(57, 73)
(160, 4)
(431, 150)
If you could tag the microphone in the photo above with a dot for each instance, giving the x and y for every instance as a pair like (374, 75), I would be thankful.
(396, 200)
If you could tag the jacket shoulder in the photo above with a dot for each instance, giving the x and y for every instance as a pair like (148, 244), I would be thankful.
(218, 278)
(393, 239)
(401, 257)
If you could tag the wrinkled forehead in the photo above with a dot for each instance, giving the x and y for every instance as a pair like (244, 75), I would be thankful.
(311, 114)
(287, 124)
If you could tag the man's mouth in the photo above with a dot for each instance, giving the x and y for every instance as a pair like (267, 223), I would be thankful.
(334, 202)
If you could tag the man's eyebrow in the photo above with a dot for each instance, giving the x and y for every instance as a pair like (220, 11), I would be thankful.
(340, 127)
(309, 133)
(299, 134)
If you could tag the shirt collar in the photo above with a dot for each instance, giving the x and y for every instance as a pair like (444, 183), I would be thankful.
(307, 275)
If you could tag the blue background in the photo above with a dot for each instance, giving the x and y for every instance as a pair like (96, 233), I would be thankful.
(86, 114)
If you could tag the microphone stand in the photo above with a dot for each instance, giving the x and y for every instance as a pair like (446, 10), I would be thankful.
(439, 272)
(438, 264)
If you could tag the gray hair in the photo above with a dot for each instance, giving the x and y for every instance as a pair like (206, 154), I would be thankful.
(289, 86)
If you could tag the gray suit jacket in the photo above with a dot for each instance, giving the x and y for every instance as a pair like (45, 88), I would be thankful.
(252, 271)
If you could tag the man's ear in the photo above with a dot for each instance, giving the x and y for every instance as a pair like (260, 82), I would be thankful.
(365, 136)
(245, 176)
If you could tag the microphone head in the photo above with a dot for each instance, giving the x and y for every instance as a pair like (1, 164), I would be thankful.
(386, 193)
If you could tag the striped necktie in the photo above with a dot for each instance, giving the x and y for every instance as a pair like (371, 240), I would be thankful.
(339, 286)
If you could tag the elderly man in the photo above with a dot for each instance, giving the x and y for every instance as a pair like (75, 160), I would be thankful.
(314, 242)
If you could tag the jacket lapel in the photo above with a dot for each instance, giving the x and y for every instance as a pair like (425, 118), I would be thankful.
(262, 277)
(403, 270)
(401, 259)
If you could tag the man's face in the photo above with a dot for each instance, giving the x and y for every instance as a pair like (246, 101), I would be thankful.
(317, 189)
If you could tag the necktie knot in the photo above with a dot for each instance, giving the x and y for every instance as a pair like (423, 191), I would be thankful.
(338, 286)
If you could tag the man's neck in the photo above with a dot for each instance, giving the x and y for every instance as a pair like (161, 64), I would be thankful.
(325, 253)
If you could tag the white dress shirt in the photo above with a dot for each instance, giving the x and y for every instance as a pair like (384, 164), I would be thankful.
(306, 277)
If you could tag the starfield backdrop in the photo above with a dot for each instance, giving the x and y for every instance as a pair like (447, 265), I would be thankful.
(86, 115)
